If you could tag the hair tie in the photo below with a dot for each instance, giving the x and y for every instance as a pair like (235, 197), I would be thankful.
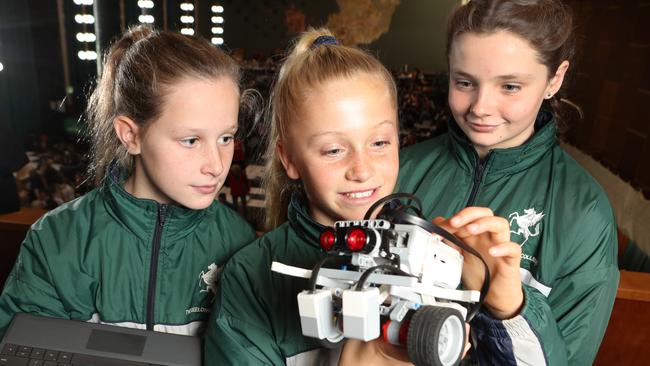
(324, 40)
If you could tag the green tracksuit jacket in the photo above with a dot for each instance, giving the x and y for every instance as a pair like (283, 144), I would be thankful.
(564, 223)
(112, 258)
(256, 312)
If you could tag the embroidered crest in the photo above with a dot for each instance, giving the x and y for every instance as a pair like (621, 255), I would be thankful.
(208, 280)
(529, 219)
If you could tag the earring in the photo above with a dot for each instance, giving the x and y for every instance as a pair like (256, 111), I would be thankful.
(549, 95)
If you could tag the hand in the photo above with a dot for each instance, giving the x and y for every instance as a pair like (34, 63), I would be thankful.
(374, 352)
(379, 352)
(490, 236)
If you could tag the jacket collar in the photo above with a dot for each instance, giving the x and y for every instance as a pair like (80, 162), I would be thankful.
(508, 160)
(301, 222)
(141, 215)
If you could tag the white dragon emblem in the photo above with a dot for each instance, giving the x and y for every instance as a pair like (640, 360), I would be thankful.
(529, 219)
(209, 278)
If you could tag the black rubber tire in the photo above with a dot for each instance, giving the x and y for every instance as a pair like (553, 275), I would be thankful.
(424, 334)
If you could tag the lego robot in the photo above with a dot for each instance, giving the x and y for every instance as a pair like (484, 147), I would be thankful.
(394, 277)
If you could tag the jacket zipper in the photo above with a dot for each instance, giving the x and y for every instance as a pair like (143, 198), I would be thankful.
(153, 267)
(478, 175)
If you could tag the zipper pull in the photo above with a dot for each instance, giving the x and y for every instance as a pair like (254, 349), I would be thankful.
(162, 213)
(479, 172)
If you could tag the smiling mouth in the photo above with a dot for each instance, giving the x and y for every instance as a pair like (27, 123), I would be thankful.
(359, 194)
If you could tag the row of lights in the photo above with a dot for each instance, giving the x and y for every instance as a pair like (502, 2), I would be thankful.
(217, 24)
(145, 6)
(87, 36)
(187, 20)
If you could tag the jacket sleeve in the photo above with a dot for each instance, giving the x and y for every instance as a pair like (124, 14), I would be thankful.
(240, 332)
(567, 326)
(29, 287)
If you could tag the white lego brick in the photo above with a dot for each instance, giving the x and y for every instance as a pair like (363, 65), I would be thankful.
(316, 313)
(361, 314)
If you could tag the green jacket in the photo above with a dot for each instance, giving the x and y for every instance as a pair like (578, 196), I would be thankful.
(112, 258)
(256, 313)
(564, 223)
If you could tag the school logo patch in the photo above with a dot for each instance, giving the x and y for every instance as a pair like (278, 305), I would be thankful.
(208, 279)
(526, 224)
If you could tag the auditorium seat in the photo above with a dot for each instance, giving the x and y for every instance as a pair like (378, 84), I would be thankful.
(628, 333)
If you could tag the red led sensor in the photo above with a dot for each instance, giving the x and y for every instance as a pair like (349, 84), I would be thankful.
(356, 239)
(327, 239)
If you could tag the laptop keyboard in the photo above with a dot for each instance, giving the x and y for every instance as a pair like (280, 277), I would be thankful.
(17, 355)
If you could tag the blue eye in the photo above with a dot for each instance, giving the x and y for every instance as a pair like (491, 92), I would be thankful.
(189, 142)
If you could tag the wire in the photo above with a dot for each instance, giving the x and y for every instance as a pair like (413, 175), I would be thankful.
(338, 259)
(369, 271)
(391, 197)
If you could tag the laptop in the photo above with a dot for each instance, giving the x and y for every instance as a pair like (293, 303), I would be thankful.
(52, 342)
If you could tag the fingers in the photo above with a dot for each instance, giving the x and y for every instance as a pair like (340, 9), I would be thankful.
(444, 224)
(469, 214)
(510, 252)
(497, 227)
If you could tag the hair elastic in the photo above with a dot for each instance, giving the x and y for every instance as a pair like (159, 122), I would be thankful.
(324, 40)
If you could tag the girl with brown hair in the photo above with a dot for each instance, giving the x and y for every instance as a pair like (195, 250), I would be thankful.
(144, 248)
(507, 63)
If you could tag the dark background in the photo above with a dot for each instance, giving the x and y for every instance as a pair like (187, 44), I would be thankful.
(610, 81)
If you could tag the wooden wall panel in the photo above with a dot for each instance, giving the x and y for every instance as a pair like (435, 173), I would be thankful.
(641, 109)
(642, 174)
(642, 21)
(634, 145)
(612, 85)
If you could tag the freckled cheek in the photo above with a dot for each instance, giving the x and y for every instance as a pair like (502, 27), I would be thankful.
(389, 167)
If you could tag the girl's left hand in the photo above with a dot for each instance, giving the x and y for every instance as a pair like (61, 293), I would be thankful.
(375, 352)
(379, 352)
(490, 236)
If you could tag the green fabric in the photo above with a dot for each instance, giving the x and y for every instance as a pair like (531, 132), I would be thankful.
(257, 320)
(571, 249)
(92, 256)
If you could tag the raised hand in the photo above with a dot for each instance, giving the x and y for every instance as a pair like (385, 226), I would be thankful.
(490, 236)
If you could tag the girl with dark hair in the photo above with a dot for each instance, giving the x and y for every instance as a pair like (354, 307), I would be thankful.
(143, 249)
(507, 63)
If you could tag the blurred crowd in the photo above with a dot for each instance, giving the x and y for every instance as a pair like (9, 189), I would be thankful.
(56, 172)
